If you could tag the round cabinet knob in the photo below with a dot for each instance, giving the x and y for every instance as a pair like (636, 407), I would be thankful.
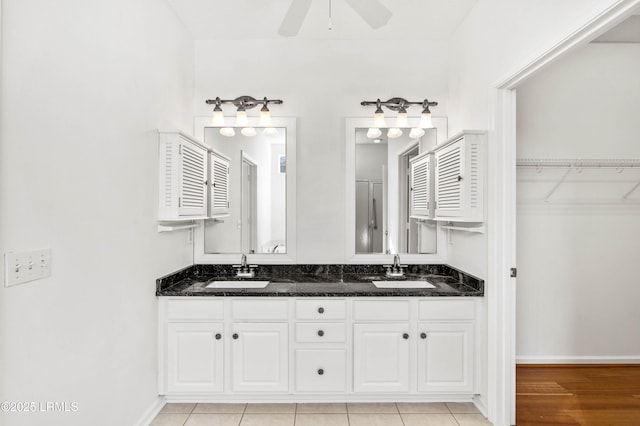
(459, 178)
(423, 335)
(321, 310)
(405, 336)
(218, 336)
(235, 336)
(320, 371)
(320, 333)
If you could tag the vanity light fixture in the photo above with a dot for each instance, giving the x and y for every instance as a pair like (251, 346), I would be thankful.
(416, 132)
(248, 131)
(242, 104)
(400, 105)
(374, 133)
(394, 132)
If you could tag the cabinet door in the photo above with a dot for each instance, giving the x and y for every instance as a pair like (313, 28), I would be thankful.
(219, 200)
(195, 357)
(445, 357)
(260, 357)
(449, 175)
(381, 357)
(420, 182)
(193, 179)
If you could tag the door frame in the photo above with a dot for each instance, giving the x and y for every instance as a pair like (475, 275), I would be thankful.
(501, 296)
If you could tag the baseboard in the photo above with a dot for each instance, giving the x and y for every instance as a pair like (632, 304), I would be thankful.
(151, 412)
(634, 359)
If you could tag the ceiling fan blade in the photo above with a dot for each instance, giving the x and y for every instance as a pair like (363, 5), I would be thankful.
(372, 11)
(295, 16)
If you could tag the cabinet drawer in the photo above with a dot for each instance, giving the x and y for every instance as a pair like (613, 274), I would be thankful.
(446, 309)
(320, 370)
(320, 309)
(266, 309)
(390, 310)
(194, 308)
(320, 332)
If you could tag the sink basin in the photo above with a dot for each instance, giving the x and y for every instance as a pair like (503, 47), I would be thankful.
(403, 284)
(237, 284)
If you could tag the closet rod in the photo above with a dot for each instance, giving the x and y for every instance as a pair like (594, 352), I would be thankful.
(578, 163)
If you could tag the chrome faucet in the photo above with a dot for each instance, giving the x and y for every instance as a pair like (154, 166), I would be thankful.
(395, 270)
(243, 270)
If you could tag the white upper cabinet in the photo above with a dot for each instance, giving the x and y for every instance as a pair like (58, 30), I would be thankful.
(219, 179)
(459, 178)
(421, 187)
(183, 177)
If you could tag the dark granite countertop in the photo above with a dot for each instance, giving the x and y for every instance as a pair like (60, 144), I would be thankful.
(319, 281)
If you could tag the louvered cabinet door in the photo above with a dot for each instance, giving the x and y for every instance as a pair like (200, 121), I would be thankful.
(193, 179)
(219, 198)
(420, 187)
(459, 171)
(449, 175)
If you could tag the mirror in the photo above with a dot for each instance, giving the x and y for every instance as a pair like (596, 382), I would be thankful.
(257, 215)
(378, 192)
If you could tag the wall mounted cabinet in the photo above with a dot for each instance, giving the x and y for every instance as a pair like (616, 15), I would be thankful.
(219, 181)
(421, 187)
(182, 177)
(459, 178)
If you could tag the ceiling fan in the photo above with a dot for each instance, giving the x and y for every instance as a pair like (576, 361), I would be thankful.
(372, 11)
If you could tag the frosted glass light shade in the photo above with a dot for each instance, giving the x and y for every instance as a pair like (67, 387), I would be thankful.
(378, 119)
(248, 131)
(425, 121)
(373, 133)
(394, 132)
(416, 133)
(241, 119)
(218, 117)
(402, 120)
(270, 132)
(227, 131)
(265, 118)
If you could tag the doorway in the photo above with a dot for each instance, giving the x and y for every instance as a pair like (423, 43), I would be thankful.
(248, 213)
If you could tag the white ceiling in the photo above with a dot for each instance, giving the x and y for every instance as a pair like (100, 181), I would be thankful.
(432, 20)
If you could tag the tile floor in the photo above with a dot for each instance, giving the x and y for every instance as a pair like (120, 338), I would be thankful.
(330, 414)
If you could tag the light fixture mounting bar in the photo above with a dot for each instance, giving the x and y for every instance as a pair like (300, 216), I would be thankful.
(247, 102)
(396, 104)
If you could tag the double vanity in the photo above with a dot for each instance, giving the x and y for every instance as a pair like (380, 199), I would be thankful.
(319, 333)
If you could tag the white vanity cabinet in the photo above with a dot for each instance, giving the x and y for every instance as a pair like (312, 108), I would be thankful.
(381, 345)
(193, 348)
(459, 178)
(320, 349)
(182, 177)
(446, 345)
(259, 345)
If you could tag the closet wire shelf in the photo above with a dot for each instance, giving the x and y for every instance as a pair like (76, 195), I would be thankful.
(605, 181)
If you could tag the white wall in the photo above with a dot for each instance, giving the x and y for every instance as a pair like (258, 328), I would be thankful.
(497, 39)
(278, 195)
(321, 82)
(85, 85)
(576, 294)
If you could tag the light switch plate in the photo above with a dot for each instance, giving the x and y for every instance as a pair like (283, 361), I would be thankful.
(26, 266)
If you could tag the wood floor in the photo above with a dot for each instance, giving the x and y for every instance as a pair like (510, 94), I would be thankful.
(578, 395)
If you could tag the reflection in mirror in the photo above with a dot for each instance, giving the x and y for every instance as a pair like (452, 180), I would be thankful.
(256, 222)
(382, 191)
